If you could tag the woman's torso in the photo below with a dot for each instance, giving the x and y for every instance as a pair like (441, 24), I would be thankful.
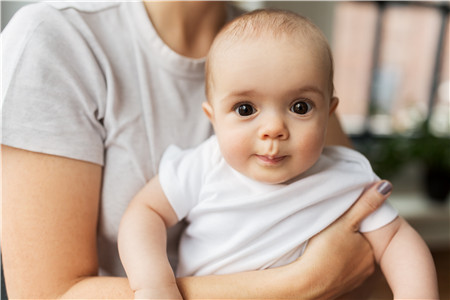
(138, 97)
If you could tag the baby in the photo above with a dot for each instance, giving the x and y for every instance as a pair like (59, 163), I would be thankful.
(254, 193)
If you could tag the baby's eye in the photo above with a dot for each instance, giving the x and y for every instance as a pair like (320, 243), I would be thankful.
(301, 107)
(245, 110)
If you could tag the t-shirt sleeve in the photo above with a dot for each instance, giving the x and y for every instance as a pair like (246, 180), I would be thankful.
(379, 218)
(53, 88)
(181, 174)
(383, 215)
(355, 169)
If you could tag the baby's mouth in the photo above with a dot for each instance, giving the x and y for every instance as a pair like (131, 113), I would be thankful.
(269, 159)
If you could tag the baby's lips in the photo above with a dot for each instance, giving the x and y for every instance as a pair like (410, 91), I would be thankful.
(270, 159)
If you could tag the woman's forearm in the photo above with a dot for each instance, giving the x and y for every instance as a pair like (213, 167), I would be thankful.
(270, 283)
(100, 288)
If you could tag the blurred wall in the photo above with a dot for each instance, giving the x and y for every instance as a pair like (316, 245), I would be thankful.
(320, 12)
(8, 8)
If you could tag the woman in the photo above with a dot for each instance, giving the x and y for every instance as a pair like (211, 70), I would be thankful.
(93, 93)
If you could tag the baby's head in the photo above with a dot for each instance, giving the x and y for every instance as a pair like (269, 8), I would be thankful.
(269, 84)
(265, 24)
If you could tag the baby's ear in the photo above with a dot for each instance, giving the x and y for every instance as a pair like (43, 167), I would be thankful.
(333, 104)
(209, 111)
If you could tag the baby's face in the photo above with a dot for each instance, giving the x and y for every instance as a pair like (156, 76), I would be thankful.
(269, 104)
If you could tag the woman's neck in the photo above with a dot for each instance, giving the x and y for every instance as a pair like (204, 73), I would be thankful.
(188, 28)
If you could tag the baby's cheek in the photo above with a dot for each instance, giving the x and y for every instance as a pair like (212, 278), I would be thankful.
(235, 150)
(311, 147)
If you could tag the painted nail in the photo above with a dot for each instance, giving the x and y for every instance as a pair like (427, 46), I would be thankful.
(385, 188)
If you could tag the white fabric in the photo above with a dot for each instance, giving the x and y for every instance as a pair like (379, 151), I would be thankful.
(238, 224)
(94, 82)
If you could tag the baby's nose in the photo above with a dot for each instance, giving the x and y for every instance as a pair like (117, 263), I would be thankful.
(273, 128)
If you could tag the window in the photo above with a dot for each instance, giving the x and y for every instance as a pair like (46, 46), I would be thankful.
(392, 66)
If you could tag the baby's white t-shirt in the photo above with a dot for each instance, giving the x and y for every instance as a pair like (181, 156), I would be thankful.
(237, 224)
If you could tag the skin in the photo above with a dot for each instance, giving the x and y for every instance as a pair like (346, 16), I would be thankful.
(405, 261)
(50, 207)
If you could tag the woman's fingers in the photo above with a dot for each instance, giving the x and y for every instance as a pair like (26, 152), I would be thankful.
(341, 260)
(369, 201)
(341, 257)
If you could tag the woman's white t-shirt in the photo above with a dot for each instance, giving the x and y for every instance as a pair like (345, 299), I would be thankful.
(94, 82)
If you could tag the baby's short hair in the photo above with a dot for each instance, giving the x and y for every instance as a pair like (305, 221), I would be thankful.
(273, 22)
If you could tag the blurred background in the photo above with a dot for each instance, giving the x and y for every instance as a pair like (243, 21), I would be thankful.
(392, 78)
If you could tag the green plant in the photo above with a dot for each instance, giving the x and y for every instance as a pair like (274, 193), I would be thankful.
(388, 154)
(431, 150)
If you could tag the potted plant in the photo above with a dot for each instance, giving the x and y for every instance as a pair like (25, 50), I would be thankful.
(434, 153)
(389, 154)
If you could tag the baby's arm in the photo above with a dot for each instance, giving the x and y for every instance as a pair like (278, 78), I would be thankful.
(405, 260)
(142, 244)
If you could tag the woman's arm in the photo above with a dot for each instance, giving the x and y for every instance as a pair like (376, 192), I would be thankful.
(50, 207)
(335, 133)
(405, 261)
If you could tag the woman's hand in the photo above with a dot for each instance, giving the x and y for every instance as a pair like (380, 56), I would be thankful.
(340, 258)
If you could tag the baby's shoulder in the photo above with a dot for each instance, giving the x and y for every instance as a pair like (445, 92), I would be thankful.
(347, 159)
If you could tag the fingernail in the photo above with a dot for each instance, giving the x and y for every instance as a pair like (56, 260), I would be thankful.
(384, 188)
